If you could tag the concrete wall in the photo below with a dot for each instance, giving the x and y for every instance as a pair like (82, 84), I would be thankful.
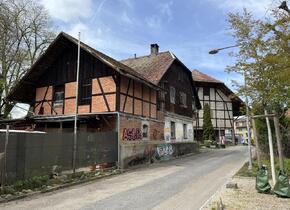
(136, 149)
(135, 153)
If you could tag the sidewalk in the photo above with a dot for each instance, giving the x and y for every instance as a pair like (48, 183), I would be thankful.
(246, 197)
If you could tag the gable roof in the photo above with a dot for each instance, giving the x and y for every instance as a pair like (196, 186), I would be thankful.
(153, 67)
(201, 77)
(205, 80)
(42, 63)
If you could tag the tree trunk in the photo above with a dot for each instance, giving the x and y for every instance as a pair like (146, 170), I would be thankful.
(279, 143)
(257, 144)
(271, 148)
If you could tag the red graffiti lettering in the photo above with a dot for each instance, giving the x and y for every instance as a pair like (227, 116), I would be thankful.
(132, 134)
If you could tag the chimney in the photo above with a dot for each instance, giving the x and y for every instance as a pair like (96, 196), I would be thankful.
(154, 49)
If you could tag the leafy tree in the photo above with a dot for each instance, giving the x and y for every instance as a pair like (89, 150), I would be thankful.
(208, 131)
(25, 31)
(264, 58)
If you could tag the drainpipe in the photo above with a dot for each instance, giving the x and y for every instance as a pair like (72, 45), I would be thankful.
(119, 143)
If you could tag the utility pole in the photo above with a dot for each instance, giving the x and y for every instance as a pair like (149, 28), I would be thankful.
(271, 147)
(76, 106)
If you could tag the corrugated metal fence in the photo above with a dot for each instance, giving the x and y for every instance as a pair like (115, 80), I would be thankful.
(34, 154)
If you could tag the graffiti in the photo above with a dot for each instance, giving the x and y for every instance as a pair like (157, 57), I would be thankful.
(132, 134)
(167, 137)
(145, 157)
(149, 151)
(165, 150)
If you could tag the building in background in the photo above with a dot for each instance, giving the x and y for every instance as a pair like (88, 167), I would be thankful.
(240, 124)
(224, 105)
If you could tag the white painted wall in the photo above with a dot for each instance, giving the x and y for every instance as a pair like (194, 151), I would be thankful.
(178, 130)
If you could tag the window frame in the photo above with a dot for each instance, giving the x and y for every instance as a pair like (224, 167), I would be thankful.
(183, 96)
(172, 94)
(85, 92)
(185, 134)
(145, 123)
(172, 131)
(59, 89)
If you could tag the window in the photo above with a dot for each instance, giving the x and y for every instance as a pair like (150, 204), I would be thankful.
(185, 131)
(85, 92)
(58, 95)
(145, 131)
(172, 95)
(182, 99)
(172, 129)
(206, 91)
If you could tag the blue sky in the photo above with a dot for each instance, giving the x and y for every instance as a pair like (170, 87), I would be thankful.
(188, 28)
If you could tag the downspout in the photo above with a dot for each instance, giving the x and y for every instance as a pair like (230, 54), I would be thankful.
(119, 143)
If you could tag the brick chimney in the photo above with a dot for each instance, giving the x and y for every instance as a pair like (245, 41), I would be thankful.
(154, 49)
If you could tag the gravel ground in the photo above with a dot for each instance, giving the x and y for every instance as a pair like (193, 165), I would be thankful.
(246, 197)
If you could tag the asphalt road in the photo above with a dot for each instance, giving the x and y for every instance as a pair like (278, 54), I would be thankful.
(185, 183)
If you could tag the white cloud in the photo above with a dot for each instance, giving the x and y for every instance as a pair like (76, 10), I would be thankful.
(125, 18)
(257, 7)
(164, 15)
(68, 10)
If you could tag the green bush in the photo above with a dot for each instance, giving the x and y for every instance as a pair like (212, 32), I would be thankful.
(207, 143)
(7, 190)
(32, 183)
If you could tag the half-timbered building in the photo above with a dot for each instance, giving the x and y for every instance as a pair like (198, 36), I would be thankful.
(147, 110)
(224, 104)
(177, 98)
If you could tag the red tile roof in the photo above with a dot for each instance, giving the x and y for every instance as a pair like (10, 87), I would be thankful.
(152, 67)
(201, 77)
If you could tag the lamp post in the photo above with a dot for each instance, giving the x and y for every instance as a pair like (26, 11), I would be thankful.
(284, 7)
(215, 51)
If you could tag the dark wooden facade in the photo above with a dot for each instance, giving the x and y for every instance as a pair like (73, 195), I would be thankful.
(179, 78)
(101, 88)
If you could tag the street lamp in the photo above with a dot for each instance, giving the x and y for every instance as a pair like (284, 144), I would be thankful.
(215, 51)
(284, 7)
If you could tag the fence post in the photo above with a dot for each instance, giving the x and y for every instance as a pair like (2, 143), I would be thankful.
(5, 156)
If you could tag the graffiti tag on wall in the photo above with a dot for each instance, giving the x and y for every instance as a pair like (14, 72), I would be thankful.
(165, 150)
(132, 134)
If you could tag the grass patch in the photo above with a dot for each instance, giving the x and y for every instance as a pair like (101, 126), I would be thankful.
(244, 171)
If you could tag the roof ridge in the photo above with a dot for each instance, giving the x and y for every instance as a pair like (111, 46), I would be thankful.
(143, 56)
(210, 77)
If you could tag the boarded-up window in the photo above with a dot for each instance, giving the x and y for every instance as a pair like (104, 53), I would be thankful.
(182, 99)
(85, 92)
(172, 95)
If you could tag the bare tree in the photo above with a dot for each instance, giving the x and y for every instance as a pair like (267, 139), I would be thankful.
(25, 31)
